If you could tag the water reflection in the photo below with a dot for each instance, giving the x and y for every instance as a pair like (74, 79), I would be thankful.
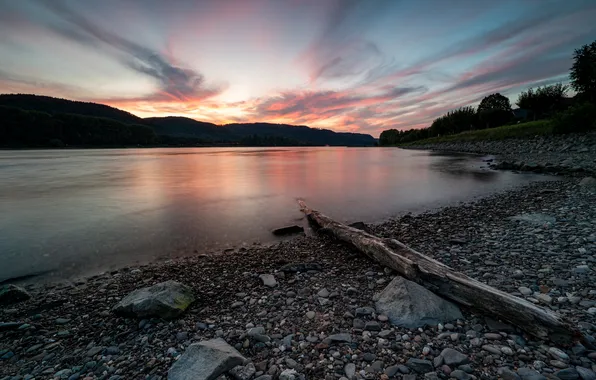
(462, 165)
(79, 210)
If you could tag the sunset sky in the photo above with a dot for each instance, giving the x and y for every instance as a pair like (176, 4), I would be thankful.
(361, 66)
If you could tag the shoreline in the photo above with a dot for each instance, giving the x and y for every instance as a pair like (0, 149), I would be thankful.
(568, 155)
(69, 327)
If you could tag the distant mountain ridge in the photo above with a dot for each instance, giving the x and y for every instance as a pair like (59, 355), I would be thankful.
(48, 104)
(176, 130)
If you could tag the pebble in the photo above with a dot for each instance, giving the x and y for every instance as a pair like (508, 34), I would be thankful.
(529, 374)
(544, 298)
(350, 370)
(460, 375)
(525, 291)
(453, 357)
(558, 354)
(567, 374)
(585, 373)
(372, 326)
(506, 350)
(419, 365)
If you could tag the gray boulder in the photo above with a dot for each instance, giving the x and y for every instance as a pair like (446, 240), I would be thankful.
(165, 300)
(410, 305)
(206, 360)
(10, 294)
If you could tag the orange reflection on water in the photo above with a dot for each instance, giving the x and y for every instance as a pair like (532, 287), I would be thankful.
(117, 207)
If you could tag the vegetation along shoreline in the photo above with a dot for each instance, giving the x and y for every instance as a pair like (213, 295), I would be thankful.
(549, 132)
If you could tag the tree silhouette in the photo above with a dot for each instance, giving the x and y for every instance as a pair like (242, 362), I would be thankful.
(461, 119)
(547, 101)
(544, 101)
(494, 102)
(494, 110)
(583, 72)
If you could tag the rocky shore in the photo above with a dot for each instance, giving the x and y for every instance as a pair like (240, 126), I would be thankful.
(304, 308)
(556, 154)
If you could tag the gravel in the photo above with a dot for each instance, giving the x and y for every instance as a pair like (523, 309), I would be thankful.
(573, 154)
(286, 332)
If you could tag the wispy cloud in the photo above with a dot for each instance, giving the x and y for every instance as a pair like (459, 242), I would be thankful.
(174, 81)
(324, 103)
(340, 51)
(362, 65)
(16, 83)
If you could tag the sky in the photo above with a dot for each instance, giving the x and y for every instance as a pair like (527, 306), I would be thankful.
(360, 66)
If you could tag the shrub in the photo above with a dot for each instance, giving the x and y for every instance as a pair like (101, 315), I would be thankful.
(459, 120)
(579, 118)
(492, 118)
(544, 101)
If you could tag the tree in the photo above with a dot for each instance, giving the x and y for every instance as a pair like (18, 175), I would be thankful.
(544, 101)
(459, 120)
(583, 72)
(495, 102)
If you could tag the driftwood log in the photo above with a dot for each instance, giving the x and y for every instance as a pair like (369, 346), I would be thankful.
(446, 282)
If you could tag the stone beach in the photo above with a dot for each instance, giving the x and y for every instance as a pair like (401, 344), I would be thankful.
(571, 155)
(305, 308)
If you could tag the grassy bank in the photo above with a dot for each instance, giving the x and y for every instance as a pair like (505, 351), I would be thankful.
(529, 129)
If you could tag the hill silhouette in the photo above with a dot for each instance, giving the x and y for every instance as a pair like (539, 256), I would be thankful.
(48, 104)
(34, 120)
(313, 136)
(177, 126)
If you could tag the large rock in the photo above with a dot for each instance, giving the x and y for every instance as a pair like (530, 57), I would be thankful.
(206, 360)
(165, 300)
(410, 305)
(10, 294)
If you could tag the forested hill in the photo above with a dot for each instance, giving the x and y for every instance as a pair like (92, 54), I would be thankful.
(253, 133)
(183, 127)
(33, 120)
(56, 105)
(314, 136)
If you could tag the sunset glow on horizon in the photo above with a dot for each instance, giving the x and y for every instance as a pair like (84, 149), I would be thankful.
(347, 65)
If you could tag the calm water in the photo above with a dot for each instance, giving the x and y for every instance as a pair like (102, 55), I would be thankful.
(78, 211)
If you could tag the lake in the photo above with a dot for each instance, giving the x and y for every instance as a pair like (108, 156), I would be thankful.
(75, 212)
